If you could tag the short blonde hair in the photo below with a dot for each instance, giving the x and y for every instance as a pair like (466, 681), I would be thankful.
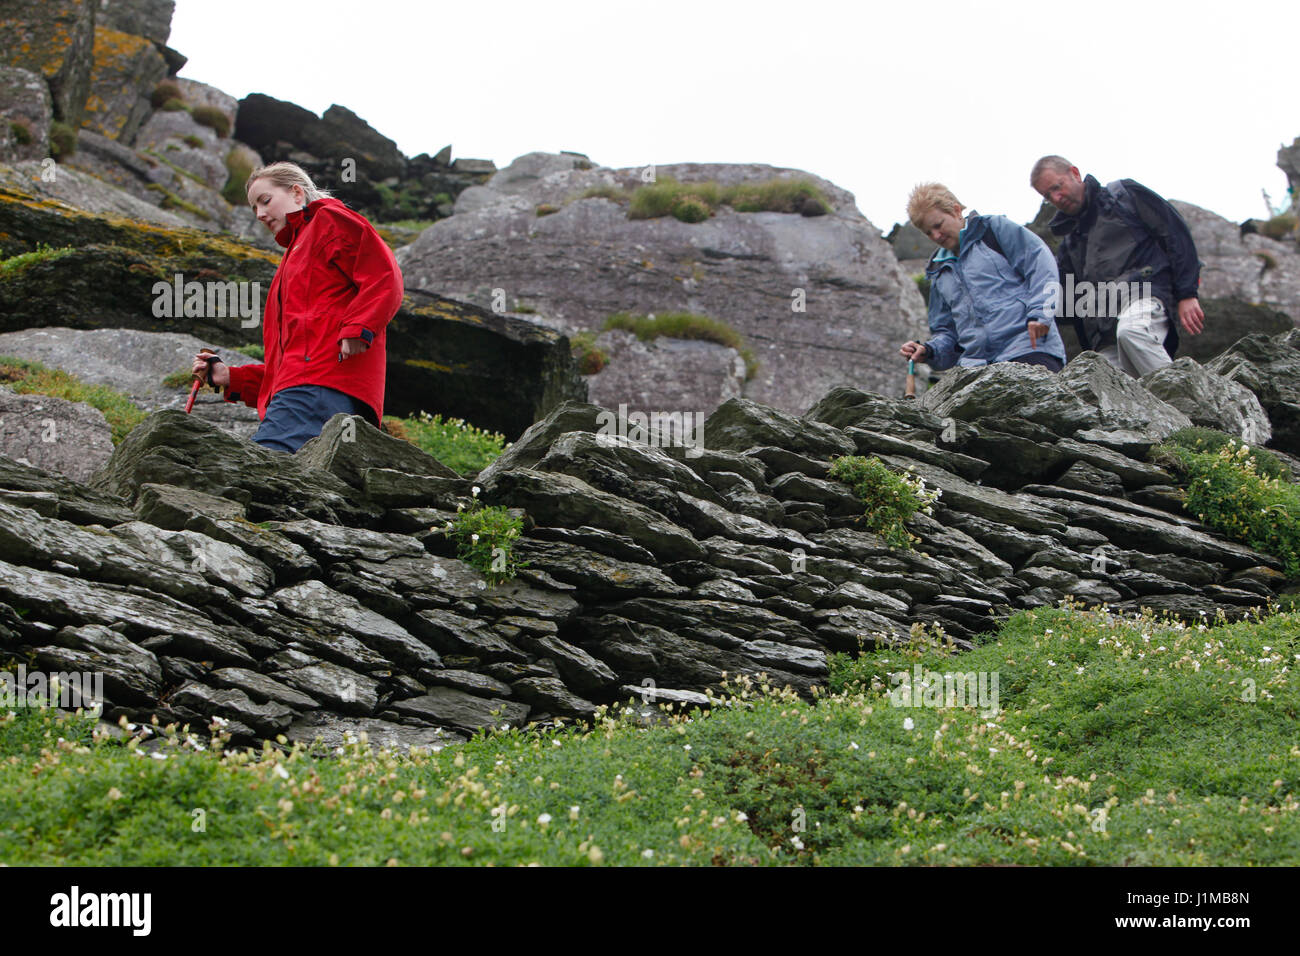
(929, 196)
(286, 175)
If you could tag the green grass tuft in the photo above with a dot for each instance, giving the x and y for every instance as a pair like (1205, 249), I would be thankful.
(685, 325)
(33, 378)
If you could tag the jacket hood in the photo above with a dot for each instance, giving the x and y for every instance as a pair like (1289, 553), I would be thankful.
(1062, 224)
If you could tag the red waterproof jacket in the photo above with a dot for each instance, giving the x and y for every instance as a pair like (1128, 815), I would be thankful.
(336, 280)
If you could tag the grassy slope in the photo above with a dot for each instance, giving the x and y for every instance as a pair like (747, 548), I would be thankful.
(1151, 722)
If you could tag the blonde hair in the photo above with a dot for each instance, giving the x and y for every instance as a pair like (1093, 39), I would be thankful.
(287, 175)
(929, 196)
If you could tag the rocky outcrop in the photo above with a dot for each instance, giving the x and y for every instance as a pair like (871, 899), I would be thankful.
(588, 260)
(346, 155)
(25, 115)
(1270, 368)
(314, 596)
(53, 38)
(53, 434)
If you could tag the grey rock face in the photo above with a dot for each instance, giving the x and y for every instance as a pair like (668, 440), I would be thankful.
(70, 438)
(1210, 400)
(742, 268)
(26, 102)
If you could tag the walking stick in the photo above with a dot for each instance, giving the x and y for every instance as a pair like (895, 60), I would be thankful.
(209, 356)
(911, 379)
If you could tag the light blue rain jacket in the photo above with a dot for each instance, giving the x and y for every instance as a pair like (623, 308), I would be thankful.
(981, 300)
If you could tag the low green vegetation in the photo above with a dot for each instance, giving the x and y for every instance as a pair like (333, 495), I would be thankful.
(588, 357)
(253, 350)
(238, 167)
(63, 140)
(1226, 491)
(164, 92)
(695, 202)
(1280, 227)
(685, 325)
(21, 131)
(213, 117)
(33, 378)
(1212, 441)
(1111, 742)
(890, 497)
(485, 536)
(42, 253)
(453, 441)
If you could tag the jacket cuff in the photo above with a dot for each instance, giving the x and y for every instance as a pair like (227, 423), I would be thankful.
(357, 332)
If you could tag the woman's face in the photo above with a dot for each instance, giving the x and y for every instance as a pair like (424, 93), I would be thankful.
(943, 227)
(272, 204)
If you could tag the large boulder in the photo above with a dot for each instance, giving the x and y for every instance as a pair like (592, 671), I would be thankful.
(1210, 400)
(665, 373)
(1270, 368)
(1245, 268)
(70, 438)
(135, 363)
(752, 270)
(54, 38)
(1089, 394)
(495, 371)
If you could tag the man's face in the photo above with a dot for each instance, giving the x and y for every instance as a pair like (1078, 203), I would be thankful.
(1062, 188)
(943, 228)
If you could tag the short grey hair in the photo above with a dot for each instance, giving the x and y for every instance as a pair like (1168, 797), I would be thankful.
(1057, 164)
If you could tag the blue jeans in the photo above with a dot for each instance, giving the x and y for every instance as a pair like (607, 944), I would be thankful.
(296, 415)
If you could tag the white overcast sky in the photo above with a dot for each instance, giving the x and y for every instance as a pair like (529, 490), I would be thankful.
(1190, 98)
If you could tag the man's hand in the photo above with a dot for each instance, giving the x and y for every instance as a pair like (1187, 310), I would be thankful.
(1037, 330)
(351, 347)
(913, 350)
(1190, 315)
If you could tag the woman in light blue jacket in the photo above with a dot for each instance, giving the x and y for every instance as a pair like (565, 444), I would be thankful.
(993, 288)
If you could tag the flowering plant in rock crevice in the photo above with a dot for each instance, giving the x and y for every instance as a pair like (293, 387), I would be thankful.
(890, 497)
(485, 536)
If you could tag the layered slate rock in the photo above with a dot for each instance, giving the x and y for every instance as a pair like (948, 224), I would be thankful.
(315, 596)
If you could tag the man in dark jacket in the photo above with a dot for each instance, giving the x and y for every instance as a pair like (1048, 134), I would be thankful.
(1127, 264)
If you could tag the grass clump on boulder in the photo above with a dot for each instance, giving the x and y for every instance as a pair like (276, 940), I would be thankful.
(165, 92)
(685, 325)
(890, 497)
(213, 117)
(589, 358)
(689, 202)
(33, 378)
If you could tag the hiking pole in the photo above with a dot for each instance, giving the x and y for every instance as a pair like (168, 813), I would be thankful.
(209, 356)
(911, 379)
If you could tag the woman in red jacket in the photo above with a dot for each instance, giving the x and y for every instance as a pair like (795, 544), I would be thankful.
(336, 288)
